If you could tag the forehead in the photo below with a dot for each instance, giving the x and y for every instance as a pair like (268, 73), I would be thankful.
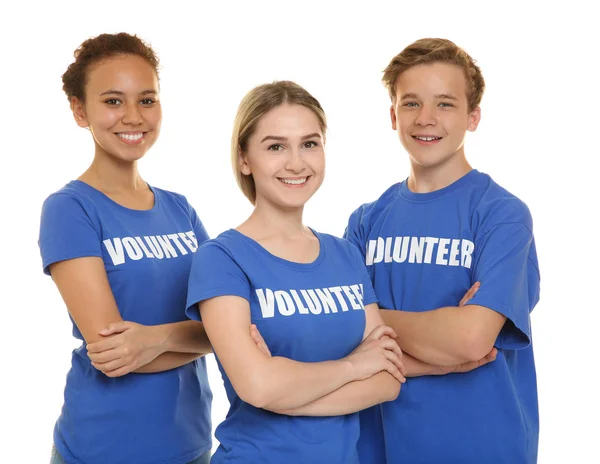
(288, 120)
(432, 79)
(124, 73)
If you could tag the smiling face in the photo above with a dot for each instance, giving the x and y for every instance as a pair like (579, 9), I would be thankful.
(285, 156)
(430, 114)
(121, 107)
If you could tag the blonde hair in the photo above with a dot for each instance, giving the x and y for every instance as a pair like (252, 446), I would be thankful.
(425, 51)
(259, 101)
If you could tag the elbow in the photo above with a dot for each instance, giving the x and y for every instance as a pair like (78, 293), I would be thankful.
(253, 392)
(393, 392)
(391, 389)
(476, 346)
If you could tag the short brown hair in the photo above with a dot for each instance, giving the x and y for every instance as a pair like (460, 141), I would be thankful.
(259, 101)
(425, 51)
(99, 48)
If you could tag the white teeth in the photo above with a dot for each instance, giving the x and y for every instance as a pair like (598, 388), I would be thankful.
(294, 181)
(132, 137)
(427, 139)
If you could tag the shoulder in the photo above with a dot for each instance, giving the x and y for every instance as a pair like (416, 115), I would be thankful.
(497, 206)
(340, 246)
(367, 212)
(173, 198)
(70, 199)
(224, 246)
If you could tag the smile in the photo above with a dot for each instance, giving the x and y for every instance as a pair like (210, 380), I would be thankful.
(426, 138)
(293, 181)
(131, 138)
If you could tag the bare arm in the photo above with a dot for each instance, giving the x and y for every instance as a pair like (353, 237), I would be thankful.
(276, 382)
(131, 347)
(166, 361)
(84, 287)
(447, 336)
(356, 395)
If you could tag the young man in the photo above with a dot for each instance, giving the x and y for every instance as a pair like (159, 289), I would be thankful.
(426, 240)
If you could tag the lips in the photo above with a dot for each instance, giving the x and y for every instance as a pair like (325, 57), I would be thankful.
(294, 181)
(131, 138)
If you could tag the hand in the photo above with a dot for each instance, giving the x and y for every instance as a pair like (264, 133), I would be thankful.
(378, 352)
(260, 342)
(467, 366)
(470, 294)
(127, 347)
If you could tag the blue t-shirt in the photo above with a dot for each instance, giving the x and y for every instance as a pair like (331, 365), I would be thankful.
(161, 418)
(423, 251)
(305, 312)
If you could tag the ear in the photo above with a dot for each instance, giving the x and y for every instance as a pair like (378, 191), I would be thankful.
(79, 112)
(393, 116)
(244, 166)
(474, 118)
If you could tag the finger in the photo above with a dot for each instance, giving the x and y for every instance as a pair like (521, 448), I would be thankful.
(104, 356)
(103, 345)
(256, 334)
(491, 356)
(109, 366)
(265, 349)
(392, 369)
(119, 372)
(470, 293)
(396, 360)
(380, 331)
(114, 327)
(391, 345)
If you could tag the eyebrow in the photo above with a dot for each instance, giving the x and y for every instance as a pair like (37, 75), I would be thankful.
(118, 92)
(283, 139)
(445, 96)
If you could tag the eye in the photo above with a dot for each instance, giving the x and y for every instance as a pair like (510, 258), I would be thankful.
(311, 144)
(112, 101)
(275, 147)
(446, 105)
(148, 101)
(411, 104)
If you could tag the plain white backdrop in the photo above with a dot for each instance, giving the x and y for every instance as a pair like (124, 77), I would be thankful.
(538, 138)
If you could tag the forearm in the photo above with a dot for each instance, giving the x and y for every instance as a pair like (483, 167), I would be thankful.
(417, 368)
(186, 337)
(286, 384)
(352, 397)
(438, 337)
(167, 361)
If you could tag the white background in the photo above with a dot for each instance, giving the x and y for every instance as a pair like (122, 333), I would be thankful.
(538, 138)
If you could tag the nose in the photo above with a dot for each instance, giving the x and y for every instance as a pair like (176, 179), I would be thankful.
(426, 116)
(132, 114)
(294, 162)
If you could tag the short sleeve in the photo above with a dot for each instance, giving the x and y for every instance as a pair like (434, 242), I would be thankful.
(214, 273)
(199, 230)
(505, 264)
(354, 232)
(66, 231)
(369, 295)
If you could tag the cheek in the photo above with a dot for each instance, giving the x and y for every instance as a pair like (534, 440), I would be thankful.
(106, 119)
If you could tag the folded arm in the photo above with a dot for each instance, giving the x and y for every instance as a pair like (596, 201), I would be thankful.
(446, 336)
(117, 347)
(276, 383)
(359, 394)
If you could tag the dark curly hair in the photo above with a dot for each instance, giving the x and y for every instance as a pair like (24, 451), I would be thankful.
(99, 48)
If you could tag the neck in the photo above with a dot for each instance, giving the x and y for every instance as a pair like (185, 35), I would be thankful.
(111, 175)
(426, 179)
(270, 221)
